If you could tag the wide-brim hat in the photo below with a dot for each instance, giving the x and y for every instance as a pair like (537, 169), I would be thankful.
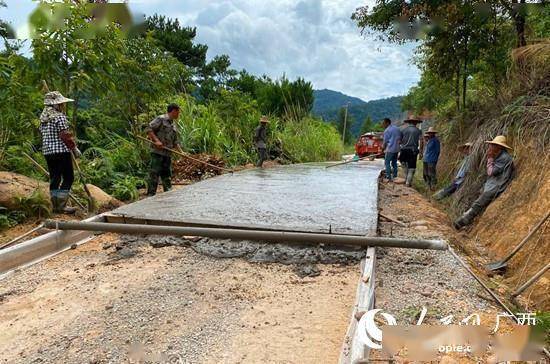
(55, 98)
(499, 140)
(264, 119)
(413, 121)
(431, 131)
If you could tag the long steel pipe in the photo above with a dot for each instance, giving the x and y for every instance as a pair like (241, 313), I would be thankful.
(240, 234)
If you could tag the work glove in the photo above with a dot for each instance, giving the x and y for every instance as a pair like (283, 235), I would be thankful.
(77, 153)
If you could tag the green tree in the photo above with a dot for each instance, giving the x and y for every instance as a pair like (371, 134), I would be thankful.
(290, 99)
(178, 40)
(69, 55)
(459, 36)
(370, 126)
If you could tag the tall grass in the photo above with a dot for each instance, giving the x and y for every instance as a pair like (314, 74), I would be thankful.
(310, 140)
(226, 128)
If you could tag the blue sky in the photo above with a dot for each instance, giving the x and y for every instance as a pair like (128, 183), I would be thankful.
(314, 39)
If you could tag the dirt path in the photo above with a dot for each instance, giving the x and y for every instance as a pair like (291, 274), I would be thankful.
(106, 302)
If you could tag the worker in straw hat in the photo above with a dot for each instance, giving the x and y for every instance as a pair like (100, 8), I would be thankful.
(260, 140)
(500, 171)
(57, 146)
(410, 148)
(460, 175)
(431, 156)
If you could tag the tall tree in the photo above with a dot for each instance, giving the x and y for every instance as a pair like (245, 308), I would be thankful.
(178, 40)
(457, 34)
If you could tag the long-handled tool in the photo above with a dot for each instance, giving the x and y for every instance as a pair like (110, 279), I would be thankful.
(83, 180)
(501, 264)
(186, 156)
(370, 157)
(531, 281)
(5, 245)
(47, 174)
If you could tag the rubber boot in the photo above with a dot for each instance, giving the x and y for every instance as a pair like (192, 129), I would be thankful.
(63, 198)
(405, 170)
(55, 200)
(464, 220)
(439, 195)
(410, 176)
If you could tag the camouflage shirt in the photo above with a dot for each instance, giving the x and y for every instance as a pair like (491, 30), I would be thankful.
(52, 122)
(165, 129)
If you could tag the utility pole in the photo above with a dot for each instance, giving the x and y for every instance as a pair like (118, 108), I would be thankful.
(345, 122)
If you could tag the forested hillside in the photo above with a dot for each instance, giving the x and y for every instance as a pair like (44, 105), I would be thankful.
(328, 105)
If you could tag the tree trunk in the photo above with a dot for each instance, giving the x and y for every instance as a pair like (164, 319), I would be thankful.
(464, 85)
(518, 14)
(75, 112)
(457, 87)
(465, 72)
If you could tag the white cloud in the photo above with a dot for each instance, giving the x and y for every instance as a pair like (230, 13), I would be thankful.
(314, 39)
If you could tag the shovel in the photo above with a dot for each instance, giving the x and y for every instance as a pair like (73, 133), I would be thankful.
(502, 264)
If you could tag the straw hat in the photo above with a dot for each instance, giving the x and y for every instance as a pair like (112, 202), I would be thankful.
(499, 140)
(412, 121)
(55, 98)
(264, 119)
(431, 131)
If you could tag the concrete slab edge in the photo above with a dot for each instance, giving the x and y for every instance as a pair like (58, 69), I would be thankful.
(353, 350)
(42, 247)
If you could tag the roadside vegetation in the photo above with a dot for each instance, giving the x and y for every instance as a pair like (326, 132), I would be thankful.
(121, 79)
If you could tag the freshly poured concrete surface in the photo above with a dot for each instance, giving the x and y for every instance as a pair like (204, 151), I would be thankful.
(306, 197)
(169, 297)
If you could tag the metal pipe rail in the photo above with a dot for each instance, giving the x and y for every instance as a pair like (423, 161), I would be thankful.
(240, 234)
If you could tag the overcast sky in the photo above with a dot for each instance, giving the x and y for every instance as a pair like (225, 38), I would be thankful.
(314, 39)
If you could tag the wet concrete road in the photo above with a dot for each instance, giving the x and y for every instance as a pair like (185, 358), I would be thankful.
(306, 197)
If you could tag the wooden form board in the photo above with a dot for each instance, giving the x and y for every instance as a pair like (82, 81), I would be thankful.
(353, 351)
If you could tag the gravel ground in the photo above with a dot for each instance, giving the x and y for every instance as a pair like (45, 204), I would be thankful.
(119, 299)
(408, 280)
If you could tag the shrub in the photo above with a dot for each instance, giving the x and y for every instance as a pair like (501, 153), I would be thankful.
(37, 204)
(126, 188)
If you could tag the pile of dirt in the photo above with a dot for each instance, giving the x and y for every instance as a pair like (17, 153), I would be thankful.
(188, 169)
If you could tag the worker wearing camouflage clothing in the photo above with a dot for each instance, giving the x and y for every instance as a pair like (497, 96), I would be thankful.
(57, 146)
(162, 131)
(260, 140)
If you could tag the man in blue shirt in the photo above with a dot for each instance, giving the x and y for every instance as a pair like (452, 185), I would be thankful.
(392, 139)
(431, 156)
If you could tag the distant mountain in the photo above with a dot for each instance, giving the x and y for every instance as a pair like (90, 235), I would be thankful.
(328, 102)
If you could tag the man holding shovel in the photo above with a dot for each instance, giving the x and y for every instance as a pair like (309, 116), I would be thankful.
(57, 146)
(163, 133)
